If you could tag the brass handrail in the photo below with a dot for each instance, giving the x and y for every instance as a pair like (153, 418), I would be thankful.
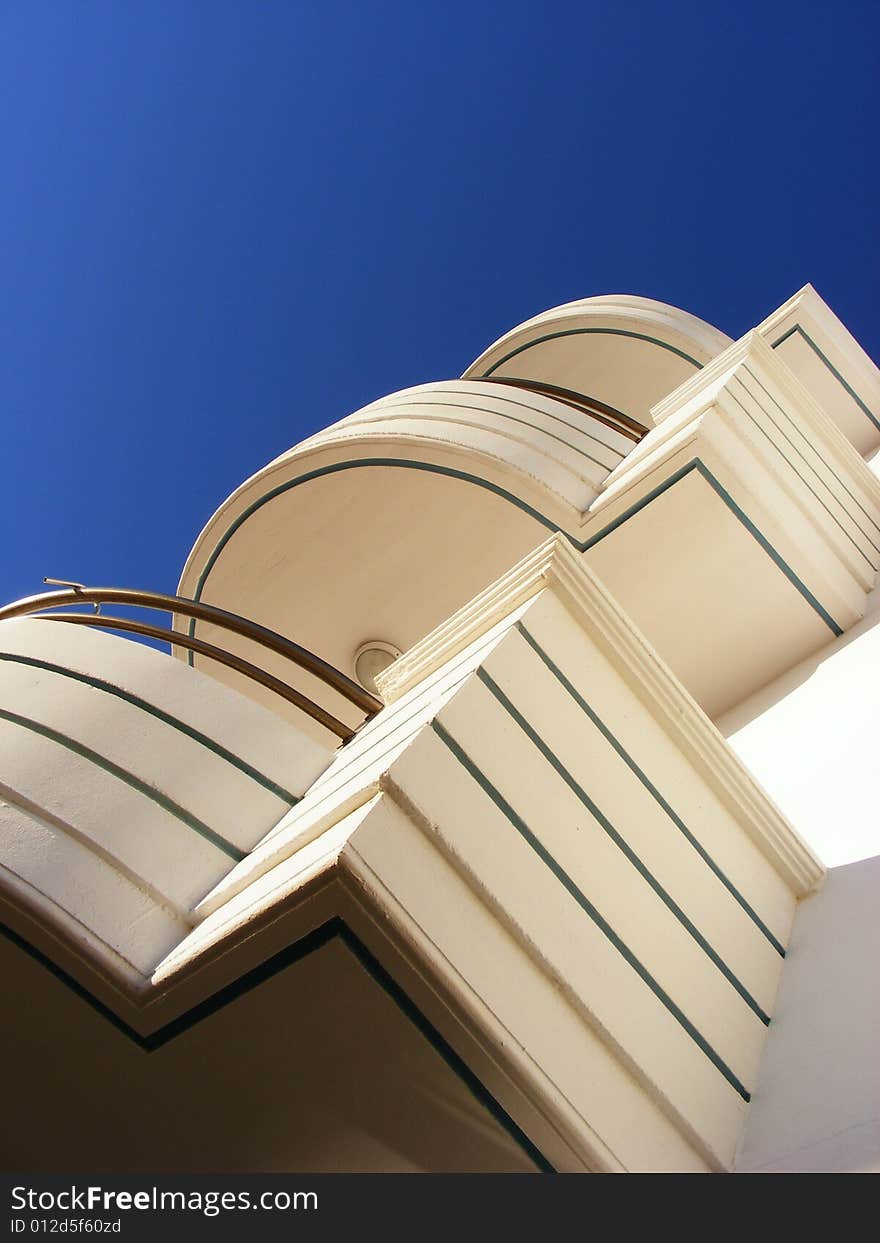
(315, 711)
(213, 615)
(615, 419)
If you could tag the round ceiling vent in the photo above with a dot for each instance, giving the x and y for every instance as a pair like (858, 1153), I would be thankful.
(371, 659)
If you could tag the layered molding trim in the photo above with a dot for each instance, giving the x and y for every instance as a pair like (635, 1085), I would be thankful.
(811, 312)
(335, 929)
(431, 397)
(753, 347)
(554, 565)
(793, 443)
(831, 367)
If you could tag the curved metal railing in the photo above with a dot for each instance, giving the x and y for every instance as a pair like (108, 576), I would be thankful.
(224, 620)
(598, 410)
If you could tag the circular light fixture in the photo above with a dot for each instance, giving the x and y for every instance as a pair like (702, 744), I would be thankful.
(371, 659)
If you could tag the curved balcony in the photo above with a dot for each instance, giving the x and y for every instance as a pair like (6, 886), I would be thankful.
(381, 526)
(625, 351)
(42, 606)
(130, 784)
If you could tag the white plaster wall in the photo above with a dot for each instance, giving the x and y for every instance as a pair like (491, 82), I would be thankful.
(654, 1039)
(810, 738)
(486, 845)
(817, 1105)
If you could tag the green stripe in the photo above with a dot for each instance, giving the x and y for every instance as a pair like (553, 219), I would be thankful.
(455, 1063)
(101, 761)
(731, 504)
(108, 687)
(324, 934)
(771, 552)
(831, 367)
(579, 545)
(607, 332)
(586, 905)
(357, 464)
(622, 845)
(650, 787)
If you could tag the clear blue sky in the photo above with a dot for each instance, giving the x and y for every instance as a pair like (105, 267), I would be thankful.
(224, 225)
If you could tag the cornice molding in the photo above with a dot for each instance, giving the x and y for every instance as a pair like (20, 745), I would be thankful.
(471, 622)
(554, 566)
(825, 435)
(811, 308)
(744, 445)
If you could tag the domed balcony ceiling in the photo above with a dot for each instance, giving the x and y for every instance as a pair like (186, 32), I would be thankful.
(625, 351)
(380, 527)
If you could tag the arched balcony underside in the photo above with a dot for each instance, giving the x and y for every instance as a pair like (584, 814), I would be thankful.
(626, 351)
(360, 532)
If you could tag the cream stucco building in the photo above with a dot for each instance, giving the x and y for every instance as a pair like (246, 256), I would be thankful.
(507, 800)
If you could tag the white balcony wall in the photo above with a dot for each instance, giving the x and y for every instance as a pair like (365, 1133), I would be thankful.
(130, 785)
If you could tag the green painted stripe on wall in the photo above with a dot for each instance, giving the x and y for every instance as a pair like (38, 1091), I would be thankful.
(121, 774)
(768, 548)
(336, 468)
(548, 524)
(135, 700)
(620, 842)
(650, 787)
(831, 367)
(586, 905)
(455, 1063)
(604, 332)
(324, 934)
(723, 495)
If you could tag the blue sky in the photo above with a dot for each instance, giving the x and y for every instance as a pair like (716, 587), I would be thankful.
(224, 225)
